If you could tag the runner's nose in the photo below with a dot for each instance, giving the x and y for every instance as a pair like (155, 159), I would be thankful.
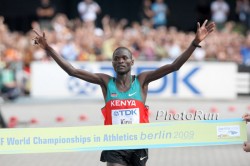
(120, 60)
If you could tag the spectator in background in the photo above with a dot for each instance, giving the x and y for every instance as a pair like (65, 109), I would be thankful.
(9, 88)
(161, 11)
(88, 10)
(174, 49)
(219, 12)
(60, 25)
(245, 51)
(70, 50)
(45, 12)
(243, 12)
(146, 13)
(97, 45)
(3, 34)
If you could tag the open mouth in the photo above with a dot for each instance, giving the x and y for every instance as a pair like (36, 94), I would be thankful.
(120, 67)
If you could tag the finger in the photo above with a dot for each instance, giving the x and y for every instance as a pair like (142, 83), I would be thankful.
(198, 25)
(36, 32)
(211, 30)
(35, 43)
(210, 25)
(205, 22)
(245, 116)
(34, 40)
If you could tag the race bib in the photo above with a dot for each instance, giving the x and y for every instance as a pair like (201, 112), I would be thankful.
(126, 116)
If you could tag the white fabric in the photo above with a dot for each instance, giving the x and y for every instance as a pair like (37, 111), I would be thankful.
(88, 12)
(220, 11)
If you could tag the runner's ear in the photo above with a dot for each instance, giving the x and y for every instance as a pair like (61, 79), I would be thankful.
(132, 62)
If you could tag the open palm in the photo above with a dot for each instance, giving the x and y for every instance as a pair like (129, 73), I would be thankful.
(204, 30)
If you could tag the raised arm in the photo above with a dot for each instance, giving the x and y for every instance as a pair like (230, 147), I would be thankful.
(202, 32)
(96, 78)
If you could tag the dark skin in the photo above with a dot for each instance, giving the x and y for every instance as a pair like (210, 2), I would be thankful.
(246, 145)
(122, 63)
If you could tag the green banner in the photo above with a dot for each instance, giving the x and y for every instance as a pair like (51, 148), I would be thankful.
(131, 136)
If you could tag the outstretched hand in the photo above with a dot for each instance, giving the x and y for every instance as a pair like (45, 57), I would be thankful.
(40, 39)
(246, 147)
(204, 30)
(246, 117)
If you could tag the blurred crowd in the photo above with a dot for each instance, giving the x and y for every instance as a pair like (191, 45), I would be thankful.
(81, 40)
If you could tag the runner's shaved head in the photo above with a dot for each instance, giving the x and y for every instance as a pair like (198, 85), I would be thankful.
(121, 50)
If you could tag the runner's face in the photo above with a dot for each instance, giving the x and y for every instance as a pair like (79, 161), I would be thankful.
(122, 61)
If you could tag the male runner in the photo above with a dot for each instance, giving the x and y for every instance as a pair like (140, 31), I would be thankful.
(125, 91)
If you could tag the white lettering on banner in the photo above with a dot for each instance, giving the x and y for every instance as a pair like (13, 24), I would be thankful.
(123, 103)
(126, 116)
